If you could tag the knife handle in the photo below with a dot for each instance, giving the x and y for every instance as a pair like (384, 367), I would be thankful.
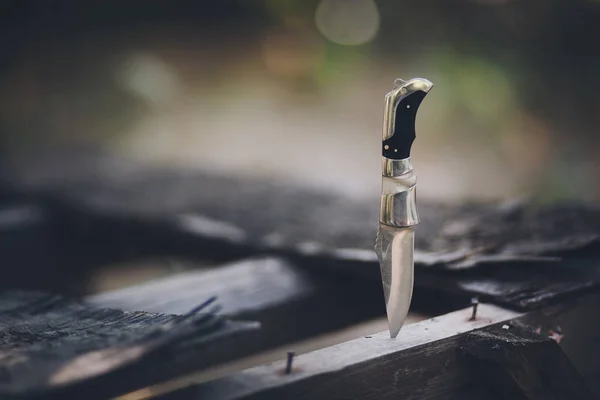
(399, 182)
(401, 108)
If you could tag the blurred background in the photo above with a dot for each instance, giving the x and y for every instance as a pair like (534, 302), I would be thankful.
(294, 89)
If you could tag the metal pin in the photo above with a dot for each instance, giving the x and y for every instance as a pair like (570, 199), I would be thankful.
(475, 304)
(290, 360)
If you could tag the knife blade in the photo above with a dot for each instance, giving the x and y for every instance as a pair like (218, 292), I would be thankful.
(394, 244)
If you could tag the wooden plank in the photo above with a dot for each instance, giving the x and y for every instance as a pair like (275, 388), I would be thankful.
(578, 320)
(509, 253)
(518, 364)
(423, 363)
(55, 347)
(257, 212)
(374, 367)
(290, 303)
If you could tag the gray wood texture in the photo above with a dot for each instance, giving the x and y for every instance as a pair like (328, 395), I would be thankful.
(374, 367)
(511, 253)
(320, 274)
(424, 362)
(273, 215)
(289, 302)
(522, 365)
(55, 347)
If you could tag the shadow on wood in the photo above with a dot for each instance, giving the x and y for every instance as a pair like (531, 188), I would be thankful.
(522, 365)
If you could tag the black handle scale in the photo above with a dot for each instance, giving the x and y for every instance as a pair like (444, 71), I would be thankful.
(398, 146)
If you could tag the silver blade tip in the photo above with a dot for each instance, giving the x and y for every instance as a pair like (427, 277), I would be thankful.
(395, 327)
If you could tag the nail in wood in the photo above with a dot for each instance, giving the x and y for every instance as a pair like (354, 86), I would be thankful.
(474, 303)
(290, 360)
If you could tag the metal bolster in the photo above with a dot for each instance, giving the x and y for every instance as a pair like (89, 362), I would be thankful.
(395, 168)
(399, 194)
(400, 209)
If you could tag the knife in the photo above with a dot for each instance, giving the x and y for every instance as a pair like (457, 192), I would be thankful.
(398, 213)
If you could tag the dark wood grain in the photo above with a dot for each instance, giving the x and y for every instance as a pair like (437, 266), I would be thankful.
(274, 215)
(424, 362)
(55, 347)
(512, 253)
(374, 367)
(290, 303)
(523, 365)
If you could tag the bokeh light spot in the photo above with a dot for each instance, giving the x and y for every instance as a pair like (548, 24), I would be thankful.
(348, 22)
(150, 78)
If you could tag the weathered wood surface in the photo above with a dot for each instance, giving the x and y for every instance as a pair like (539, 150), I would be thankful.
(121, 210)
(290, 303)
(54, 347)
(519, 364)
(327, 244)
(374, 367)
(273, 215)
(424, 362)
